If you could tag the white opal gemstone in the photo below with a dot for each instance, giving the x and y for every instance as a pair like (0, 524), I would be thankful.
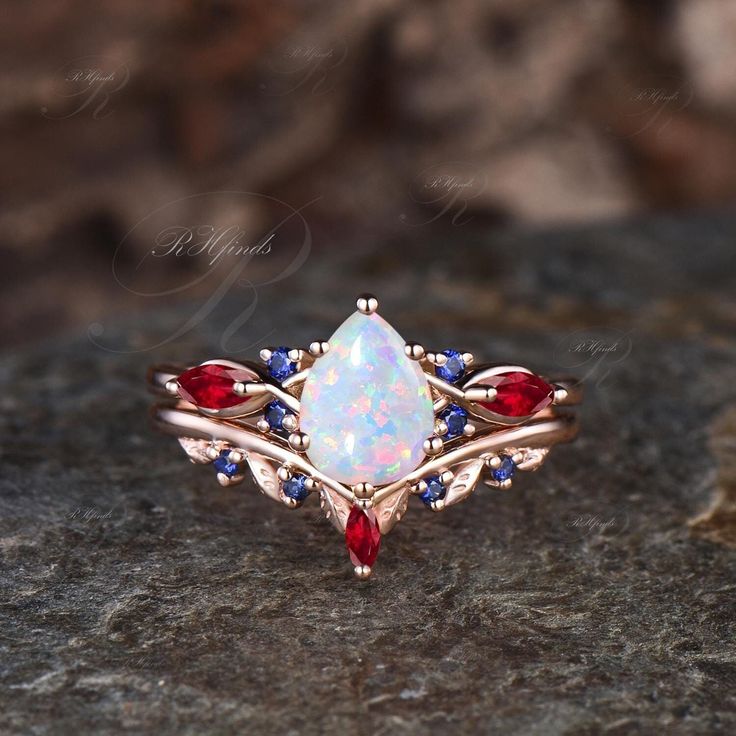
(366, 407)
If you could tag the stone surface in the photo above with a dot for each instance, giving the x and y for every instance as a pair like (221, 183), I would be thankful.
(365, 406)
(137, 596)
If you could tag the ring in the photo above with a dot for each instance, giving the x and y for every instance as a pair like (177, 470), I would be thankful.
(364, 420)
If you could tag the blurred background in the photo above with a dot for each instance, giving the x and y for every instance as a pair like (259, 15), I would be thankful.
(338, 126)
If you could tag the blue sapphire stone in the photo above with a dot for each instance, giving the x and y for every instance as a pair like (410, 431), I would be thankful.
(295, 487)
(455, 417)
(274, 414)
(279, 364)
(505, 470)
(223, 465)
(454, 369)
(435, 490)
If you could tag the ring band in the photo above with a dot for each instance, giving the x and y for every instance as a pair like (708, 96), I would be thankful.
(365, 420)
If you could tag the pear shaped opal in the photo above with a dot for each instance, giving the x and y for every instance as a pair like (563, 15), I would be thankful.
(366, 406)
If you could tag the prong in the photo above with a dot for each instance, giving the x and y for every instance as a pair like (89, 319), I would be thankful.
(494, 462)
(319, 348)
(249, 388)
(436, 358)
(364, 503)
(266, 354)
(283, 473)
(313, 485)
(504, 485)
(235, 456)
(362, 571)
(295, 355)
(290, 503)
(212, 452)
(224, 480)
(289, 423)
(414, 350)
(480, 393)
(433, 446)
(559, 397)
(446, 477)
(468, 358)
(440, 428)
(438, 505)
(299, 441)
(469, 429)
(517, 458)
(367, 304)
(263, 426)
(363, 490)
(419, 487)
(172, 387)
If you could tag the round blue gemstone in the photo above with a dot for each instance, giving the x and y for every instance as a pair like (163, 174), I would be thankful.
(435, 490)
(505, 470)
(453, 369)
(279, 364)
(274, 414)
(223, 465)
(455, 417)
(295, 488)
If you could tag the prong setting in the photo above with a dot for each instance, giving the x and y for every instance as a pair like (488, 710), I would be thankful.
(299, 441)
(318, 348)
(289, 423)
(367, 304)
(433, 446)
(438, 359)
(480, 393)
(363, 490)
(560, 395)
(414, 351)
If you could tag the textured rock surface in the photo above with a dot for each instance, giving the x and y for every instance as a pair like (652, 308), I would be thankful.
(137, 596)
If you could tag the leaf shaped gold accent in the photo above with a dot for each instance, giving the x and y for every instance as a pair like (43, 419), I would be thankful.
(533, 457)
(196, 449)
(335, 508)
(464, 481)
(264, 475)
(389, 511)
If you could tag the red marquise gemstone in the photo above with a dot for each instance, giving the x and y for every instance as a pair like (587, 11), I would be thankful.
(519, 394)
(211, 386)
(362, 536)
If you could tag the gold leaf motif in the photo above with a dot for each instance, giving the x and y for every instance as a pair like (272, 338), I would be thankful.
(335, 508)
(533, 457)
(464, 482)
(390, 511)
(196, 449)
(264, 475)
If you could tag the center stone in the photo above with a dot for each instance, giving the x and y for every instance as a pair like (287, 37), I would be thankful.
(366, 406)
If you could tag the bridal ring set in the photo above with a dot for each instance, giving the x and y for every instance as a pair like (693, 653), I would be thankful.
(364, 421)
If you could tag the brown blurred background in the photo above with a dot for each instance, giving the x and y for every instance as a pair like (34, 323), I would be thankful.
(388, 119)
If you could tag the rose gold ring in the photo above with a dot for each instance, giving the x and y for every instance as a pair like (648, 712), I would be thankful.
(364, 420)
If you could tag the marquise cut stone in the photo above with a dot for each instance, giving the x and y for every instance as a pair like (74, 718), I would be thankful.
(366, 406)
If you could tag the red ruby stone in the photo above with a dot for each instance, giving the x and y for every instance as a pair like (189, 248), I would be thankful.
(362, 536)
(211, 386)
(518, 394)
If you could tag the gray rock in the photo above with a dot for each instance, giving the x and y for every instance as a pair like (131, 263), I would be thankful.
(140, 597)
